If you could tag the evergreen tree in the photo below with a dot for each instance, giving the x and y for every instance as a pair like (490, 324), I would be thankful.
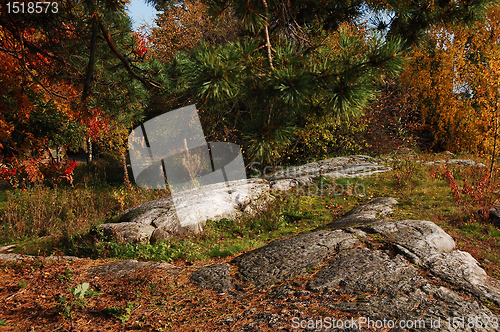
(294, 61)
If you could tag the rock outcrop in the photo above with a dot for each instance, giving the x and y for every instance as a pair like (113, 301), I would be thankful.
(459, 162)
(125, 268)
(334, 168)
(399, 271)
(365, 214)
(215, 277)
(368, 273)
(494, 215)
(373, 274)
(288, 258)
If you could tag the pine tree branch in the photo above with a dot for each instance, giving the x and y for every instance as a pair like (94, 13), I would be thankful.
(124, 60)
(371, 63)
(268, 46)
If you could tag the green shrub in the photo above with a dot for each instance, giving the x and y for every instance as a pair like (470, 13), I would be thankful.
(327, 137)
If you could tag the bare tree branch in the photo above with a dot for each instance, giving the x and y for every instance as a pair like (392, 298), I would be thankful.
(268, 42)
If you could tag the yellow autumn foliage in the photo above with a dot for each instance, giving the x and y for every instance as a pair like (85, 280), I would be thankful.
(455, 79)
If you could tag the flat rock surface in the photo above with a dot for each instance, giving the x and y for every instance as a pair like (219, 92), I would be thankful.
(494, 215)
(215, 277)
(125, 268)
(390, 287)
(365, 214)
(462, 270)
(402, 272)
(419, 240)
(380, 273)
(459, 162)
(20, 257)
(288, 258)
(129, 232)
(340, 167)
(401, 275)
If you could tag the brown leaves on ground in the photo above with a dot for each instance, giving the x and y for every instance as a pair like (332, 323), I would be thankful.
(149, 300)
(160, 300)
(31, 294)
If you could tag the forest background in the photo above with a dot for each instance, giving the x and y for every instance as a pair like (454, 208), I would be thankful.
(288, 81)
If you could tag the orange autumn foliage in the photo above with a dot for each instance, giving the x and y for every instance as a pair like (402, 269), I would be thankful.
(456, 81)
(183, 24)
(31, 102)
(27, 89)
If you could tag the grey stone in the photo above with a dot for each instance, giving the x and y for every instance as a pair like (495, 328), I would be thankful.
(226, 200)
(158, 219)
(340, 167)
(7, 249)
(148, 213)
(458, 162)
(359, 233)
(364, 270)
(203, 203)
(420, 239)
(461, 269)
(283, 185)
(22, 257)
(215, 277)
(494, 215)
(367, 213)
(393, 289)
(287, 258)
(124, 268)
(422, 307)
(379, 284)
(159, 234)
(129, 232)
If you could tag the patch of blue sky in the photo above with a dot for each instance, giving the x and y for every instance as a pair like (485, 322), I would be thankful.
(141, 14)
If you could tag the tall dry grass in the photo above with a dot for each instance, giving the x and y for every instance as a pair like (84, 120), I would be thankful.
(40, 211)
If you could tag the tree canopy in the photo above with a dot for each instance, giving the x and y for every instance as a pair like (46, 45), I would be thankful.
(69, 76)
(291, 63)
(265, 74)
(455, 76)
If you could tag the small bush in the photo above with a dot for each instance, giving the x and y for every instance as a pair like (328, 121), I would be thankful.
(475, 189)
(76, 299)
(323, 138)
